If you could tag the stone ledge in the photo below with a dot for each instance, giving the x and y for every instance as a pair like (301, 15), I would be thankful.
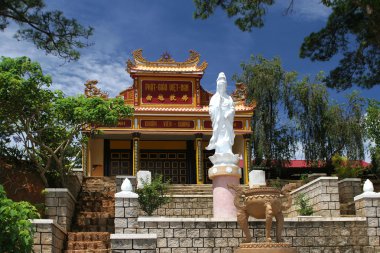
(132, 236)
(177, 219)
(48, 221)
(189, 196)
(367, 195)
(353, 179)
(126, 195)
(294, 219)
(313, 182)
(61, 190)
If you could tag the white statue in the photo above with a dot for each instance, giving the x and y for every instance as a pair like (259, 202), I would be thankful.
(222, 112)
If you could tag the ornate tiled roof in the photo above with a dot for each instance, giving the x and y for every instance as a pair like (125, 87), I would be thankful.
(165, 64)
(238, 108)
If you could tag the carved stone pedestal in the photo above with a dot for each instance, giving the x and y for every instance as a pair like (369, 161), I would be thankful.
(265, 248)
(224, 172)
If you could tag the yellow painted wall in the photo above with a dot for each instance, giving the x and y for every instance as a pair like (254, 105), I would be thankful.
(120, 144)
(96, 157)
(163, 145)
(238, 147)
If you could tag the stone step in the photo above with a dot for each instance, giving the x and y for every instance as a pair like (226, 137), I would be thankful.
(96, 206)
(94, 228)
(100, 215)
(88, 236)
(89, 251)
(94, 221)
(190, 189)
(87, 245)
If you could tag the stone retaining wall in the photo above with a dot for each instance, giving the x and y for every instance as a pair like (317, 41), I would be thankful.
(369, 207)
(74, 184)
(49, 237)
(133, 243)
(348, 189)
(308, 235)
(126, 213)
(323, 197)
(60, 206)
(195, 206)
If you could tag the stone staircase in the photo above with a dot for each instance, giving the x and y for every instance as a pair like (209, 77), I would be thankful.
(190, 189)
(94, 220)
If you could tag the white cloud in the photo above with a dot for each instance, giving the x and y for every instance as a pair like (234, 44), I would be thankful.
(69, 77)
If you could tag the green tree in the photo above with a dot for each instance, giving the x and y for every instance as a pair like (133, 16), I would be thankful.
(16, 231)
(249, 13)
(47, 124)
(325, 128)
(352, 30)
(290, 111)
(50, 31)
(267, 82)
(372, 126)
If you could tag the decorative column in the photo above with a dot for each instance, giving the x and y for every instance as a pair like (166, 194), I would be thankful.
(225, 172)
(199, 158)
(85, 158)
(247, 156)
(136, 152)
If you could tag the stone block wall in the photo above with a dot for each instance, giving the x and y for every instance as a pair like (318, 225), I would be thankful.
(74, 184)
(348, 189)
(49, 237)
(323, 195)
(60, 206)
(126, 214)
(195, 206)
(369, 207)
(308, 235)
(133, 243)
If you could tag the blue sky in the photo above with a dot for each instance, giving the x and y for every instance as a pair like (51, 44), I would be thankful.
(157, 26)
(168, 25)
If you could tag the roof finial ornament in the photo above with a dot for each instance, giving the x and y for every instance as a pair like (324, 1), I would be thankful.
(166, 57)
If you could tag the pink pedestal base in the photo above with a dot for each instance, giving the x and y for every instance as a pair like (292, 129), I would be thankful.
(223, 198)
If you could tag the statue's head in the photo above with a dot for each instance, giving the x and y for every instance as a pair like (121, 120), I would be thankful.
(221, 83)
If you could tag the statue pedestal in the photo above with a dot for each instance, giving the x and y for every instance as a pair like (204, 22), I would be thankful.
(224, 172)
(264, 247)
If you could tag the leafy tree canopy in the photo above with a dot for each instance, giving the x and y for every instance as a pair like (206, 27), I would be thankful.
(267, 81)
(352, 30)
(45, 124)
(50, 31)
(372, 124)
(293, 112)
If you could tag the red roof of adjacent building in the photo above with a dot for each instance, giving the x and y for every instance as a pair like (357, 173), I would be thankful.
(305, 164)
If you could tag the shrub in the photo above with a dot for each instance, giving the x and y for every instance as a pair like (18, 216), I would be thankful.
(304, 206)
(16, 231)
(345, 168)
(152, 195)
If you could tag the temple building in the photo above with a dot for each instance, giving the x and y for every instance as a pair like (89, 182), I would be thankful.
(170, 127)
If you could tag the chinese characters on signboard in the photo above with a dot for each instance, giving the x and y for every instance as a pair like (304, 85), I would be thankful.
(166, 92)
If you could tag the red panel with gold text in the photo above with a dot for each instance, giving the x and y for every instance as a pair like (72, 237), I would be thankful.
(166, 92)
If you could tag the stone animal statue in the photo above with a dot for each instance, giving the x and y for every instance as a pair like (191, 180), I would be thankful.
(262, 203)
